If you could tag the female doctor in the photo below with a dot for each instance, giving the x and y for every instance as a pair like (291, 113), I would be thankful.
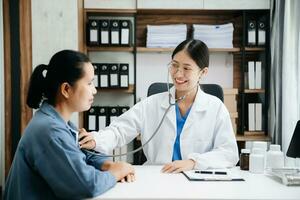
(195, 134)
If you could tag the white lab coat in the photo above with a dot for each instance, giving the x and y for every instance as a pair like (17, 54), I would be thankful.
(207, 136)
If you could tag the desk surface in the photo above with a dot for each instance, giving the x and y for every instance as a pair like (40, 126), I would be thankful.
(152, 184)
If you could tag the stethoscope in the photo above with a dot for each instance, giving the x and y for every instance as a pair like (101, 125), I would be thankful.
(171, 103)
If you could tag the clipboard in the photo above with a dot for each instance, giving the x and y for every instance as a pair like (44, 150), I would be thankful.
(193, 176)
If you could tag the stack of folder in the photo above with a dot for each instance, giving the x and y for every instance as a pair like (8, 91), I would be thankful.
(215, 36)
(165, 36)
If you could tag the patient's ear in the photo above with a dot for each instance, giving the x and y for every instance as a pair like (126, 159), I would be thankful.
(65, 90)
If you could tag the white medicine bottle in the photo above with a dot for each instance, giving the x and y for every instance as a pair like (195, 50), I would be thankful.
(275, 157)
(257, 160)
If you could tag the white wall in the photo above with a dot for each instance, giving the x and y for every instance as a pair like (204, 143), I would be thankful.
(2, 130)
(54, 28)
(152, 67)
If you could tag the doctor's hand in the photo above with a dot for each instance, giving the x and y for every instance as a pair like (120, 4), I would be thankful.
(178, 166)
(86, 139)
(122, 171)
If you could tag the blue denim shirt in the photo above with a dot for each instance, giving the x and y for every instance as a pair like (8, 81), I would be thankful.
(49, 164)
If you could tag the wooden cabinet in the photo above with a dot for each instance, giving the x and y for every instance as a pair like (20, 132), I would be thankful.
(254, 92)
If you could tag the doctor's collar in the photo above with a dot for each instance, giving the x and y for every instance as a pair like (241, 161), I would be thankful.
(200, 104)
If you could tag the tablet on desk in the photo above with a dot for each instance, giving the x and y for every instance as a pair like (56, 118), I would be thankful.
(197, 175)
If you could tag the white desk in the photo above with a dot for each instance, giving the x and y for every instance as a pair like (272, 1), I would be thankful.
(152, 184)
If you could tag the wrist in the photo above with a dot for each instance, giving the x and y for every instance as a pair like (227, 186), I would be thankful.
(193, 163)
(106, 165)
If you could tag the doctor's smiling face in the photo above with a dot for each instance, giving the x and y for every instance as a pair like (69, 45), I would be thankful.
(184, 72)
(189, 63)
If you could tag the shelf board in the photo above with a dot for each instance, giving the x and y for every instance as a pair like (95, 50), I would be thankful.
(254, 48)
(234, 49)
(254, 91)
(122, 49)
(129, 90)
(230, 91)
(111, 11)
(145, 49)
(254, 133)
(252, 138)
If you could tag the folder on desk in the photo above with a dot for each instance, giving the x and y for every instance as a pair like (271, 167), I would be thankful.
(114, 32)
(124, 75)
(113, 75)
(93, 32)
(251, 33)
(102, 117)
(193, 176)
(103, 75)
(125, 27)
(261, 29)
(104, 32)
(96, 75)
(92, 119)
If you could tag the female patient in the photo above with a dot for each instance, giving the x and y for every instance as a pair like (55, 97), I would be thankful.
(48, 163)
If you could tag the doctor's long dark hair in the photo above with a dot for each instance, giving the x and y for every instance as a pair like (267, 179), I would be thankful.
(196, 49)
(65, 66)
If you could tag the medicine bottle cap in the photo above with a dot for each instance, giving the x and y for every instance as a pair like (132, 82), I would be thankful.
(274, 147)
(260, 144)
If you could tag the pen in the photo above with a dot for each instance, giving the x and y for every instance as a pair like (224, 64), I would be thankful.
(211, 172)
(203, 172)
(220, 179)
(221, 173)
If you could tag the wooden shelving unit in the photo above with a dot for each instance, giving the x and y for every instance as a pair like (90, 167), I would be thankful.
(260, 97)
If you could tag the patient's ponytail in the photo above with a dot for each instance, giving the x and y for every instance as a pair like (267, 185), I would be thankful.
(37, 86)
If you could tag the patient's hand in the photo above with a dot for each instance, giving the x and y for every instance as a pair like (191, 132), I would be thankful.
(178, 166)
(121, 170)
(86, 139)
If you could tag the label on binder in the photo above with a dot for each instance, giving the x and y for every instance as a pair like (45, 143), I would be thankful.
(261, 37)
(93, 35)
(103, 80)
(104, 37)
(124, 81)
(92, 122)
(114, 79)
